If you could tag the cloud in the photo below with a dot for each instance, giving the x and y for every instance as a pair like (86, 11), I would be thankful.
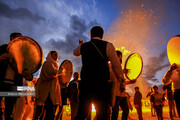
(61, 24)
(79, 30)
(18, 13)
(155, 64)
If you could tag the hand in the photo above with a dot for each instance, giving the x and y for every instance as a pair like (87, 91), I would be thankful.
(136, 106)
(126, 71)
(27, 76)
(133, 81)
(173, 67)
(5, 56)
(61, 71)
(80, 41)
(32, 100)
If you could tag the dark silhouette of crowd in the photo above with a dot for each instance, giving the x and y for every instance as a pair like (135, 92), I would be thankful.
(101, 82)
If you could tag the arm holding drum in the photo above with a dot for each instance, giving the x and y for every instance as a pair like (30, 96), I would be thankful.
(167, 77)
(26, 56)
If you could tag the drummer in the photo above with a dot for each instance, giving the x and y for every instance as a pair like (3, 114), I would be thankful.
(173, 76)
(120, 94)
(9, 78)
(48, 87)
(64, 80)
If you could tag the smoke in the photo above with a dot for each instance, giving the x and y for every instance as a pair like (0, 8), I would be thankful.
(141, 83)
(136, 29)
(155, 64)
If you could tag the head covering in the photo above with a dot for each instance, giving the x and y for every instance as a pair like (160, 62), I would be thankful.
(155, 86)
(50, 58)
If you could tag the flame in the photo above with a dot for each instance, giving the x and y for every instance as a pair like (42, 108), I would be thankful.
(123, 50)
(93, 108)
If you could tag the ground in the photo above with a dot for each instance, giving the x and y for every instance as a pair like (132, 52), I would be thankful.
(133, 115)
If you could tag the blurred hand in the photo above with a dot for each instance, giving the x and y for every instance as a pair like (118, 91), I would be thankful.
(80, 41)
(27, 76)
(133, 81)
(61, 71)
(5, 56)
(32, 100)
(173, 67)
(126, 71)
(136, 106)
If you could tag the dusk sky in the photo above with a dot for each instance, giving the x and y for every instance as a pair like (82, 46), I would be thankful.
(142, 26)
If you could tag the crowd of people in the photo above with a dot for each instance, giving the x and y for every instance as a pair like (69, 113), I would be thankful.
(102, 83)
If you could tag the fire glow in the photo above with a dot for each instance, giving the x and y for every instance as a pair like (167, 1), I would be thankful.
(123, 50)
(93, 108)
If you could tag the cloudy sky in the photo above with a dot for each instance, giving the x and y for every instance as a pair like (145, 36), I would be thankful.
(143, 26)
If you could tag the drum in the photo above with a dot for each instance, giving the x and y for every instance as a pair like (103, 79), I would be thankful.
(27, 55)
(134, 65)
(67, 67)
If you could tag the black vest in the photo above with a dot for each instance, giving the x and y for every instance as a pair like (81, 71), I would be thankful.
(95, 70)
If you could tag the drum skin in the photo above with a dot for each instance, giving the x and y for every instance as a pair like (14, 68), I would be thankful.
(134, 65)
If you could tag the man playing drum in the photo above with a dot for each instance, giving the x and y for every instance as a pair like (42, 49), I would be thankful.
(9, 78)
(120, 94)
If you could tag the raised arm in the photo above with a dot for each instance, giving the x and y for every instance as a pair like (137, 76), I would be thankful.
(77, 50)
(167, 77)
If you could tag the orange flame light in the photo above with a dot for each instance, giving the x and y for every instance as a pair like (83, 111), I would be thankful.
(123, 50)
(93, 112)
(93, 108)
